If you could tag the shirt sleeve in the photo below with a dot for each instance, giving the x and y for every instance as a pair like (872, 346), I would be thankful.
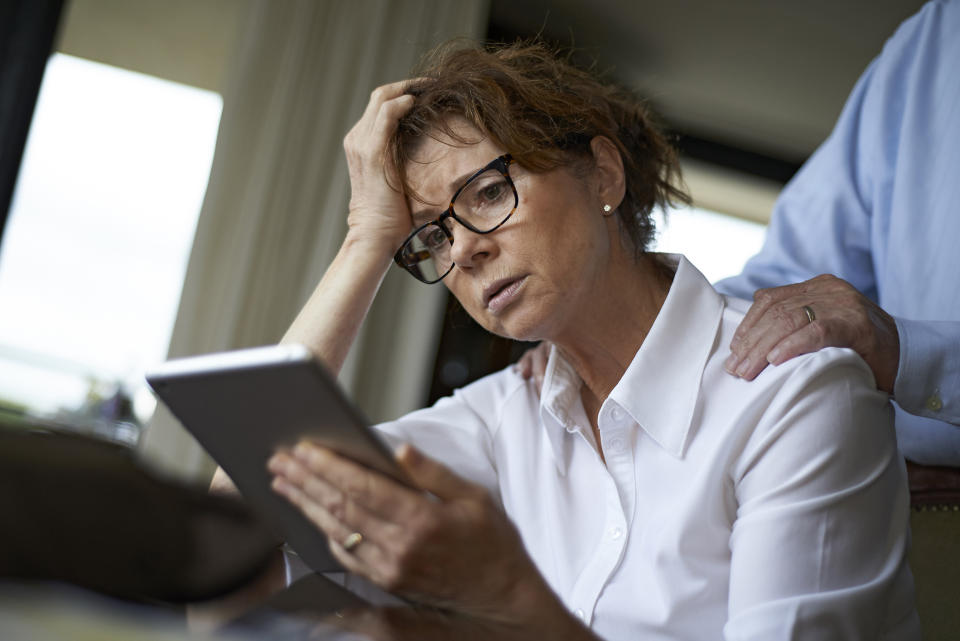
(821, 532)
(457, 431)
(822, 224)
(821, 221)
(928, 378)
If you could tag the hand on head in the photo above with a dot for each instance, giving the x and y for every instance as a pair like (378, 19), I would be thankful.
(787, 321)
(378, 210)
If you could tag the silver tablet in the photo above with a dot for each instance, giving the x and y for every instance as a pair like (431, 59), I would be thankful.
(244, 405)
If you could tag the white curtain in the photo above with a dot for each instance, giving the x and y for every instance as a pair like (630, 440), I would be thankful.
(275, 209)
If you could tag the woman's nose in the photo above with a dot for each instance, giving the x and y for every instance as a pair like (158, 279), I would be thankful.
(468, 246)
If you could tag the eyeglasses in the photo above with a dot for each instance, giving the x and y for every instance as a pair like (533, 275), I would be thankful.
(482, 204)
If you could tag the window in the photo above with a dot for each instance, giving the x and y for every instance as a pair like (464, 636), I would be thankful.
(717, 244)
(97, 242)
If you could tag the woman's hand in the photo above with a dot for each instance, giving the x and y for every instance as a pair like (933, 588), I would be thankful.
(378, 211)
(777, 328)
(455, 550)
(379, 222)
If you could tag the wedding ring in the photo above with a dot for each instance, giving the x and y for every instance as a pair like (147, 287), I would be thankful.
(353, 540)
(809, 312)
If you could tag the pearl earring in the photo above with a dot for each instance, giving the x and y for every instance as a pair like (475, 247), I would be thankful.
(607, 209)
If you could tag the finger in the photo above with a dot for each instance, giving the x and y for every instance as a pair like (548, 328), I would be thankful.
(811, 338)
(336, 504)
(375, 492)
(388, 116)
(763, 300)
(540, 357)
(524, 366)
(435, 477)
(381, 94)
(367, 554)
(779, 322)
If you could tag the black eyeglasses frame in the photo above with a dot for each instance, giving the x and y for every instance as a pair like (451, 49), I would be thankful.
(502, 165)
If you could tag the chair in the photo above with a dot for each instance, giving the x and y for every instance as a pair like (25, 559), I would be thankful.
(935, 550)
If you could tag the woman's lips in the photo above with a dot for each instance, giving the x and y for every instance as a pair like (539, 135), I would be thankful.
(501, 293)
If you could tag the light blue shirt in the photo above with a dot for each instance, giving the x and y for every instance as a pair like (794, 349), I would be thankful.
(878, 205)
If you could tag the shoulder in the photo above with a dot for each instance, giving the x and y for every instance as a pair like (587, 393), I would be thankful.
(461, 429)
(820, 409)
(829, 395)
(481, 405)
(801, 368)
(921, 46)
(490, 396)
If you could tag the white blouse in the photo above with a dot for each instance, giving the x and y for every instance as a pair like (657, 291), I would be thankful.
(771, 509)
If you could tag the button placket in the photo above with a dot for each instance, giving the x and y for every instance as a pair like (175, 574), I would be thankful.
(605, 558)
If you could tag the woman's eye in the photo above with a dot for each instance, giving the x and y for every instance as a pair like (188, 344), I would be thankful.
(435, 238)
(491, 192)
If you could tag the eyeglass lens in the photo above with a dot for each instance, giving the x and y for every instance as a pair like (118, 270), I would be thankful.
(482, 205)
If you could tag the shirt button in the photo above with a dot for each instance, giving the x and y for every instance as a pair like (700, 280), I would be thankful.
(580, 614)
(934, 403)
(615, 533)
(616, 414)
(616, 445)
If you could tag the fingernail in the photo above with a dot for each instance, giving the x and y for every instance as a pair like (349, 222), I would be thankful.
(742, 368)
(278, 485)
(302, 451)
(774, 356)
(275, 463)
(731, 363)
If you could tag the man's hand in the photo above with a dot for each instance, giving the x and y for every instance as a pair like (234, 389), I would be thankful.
(533, 364)
(777, 328)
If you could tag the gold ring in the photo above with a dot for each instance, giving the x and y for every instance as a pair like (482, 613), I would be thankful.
(809, 312)
(353, 540)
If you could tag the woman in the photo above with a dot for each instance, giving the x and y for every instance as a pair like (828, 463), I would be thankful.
(643, 493)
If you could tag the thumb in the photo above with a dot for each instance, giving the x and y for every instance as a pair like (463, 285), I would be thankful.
(432, 476)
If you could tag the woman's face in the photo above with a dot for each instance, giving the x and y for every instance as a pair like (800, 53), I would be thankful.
(531, 278)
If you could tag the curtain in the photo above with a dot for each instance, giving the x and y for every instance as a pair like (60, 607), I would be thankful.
(275, 208)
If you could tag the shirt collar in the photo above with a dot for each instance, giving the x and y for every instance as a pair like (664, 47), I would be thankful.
(661, 385)
(561, 385)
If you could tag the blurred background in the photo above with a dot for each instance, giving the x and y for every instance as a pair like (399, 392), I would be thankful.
(172, 179)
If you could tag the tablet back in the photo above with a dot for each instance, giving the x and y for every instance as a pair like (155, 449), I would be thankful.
(244, 405)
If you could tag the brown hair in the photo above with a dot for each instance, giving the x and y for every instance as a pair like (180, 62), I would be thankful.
(544, 111)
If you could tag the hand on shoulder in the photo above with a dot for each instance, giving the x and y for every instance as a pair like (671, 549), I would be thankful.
(826, 311)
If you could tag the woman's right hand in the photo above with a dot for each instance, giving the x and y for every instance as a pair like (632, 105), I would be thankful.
(378, 211)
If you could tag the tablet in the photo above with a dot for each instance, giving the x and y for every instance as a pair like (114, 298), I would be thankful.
(243, 405)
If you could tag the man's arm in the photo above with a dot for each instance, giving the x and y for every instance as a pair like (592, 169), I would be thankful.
(878, 194)
(928, 383)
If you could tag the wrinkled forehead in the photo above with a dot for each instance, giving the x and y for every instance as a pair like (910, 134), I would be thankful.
(440, 162)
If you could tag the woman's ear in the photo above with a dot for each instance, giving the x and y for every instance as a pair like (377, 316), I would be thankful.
(610, 178)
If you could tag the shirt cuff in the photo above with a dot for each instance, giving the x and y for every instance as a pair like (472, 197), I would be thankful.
(928, 376)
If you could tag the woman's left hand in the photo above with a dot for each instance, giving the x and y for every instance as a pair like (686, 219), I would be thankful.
(457, 550)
